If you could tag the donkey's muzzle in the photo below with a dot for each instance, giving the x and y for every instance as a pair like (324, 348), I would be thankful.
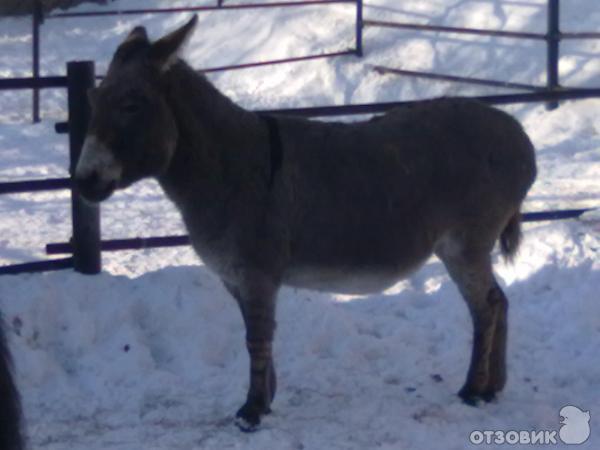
(97, 173)
(93, 188)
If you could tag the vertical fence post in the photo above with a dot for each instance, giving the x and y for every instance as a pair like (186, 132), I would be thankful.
(359, 27)
(36, 21)
(85, 216)
(553, 41)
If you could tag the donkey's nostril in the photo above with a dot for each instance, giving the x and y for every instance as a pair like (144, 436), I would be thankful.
(93, 187)
(86, 181)
(94, 177)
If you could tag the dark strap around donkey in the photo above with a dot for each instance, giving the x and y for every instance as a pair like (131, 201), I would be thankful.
(275, 147)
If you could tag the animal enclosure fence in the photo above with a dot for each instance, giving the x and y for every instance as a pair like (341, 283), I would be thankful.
(85, 217)
(552, 37)
(38, 19)
(86, 245)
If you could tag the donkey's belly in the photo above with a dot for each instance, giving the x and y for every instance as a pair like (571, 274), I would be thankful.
(345, 281)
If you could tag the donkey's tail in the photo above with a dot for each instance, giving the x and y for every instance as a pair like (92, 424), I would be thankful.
(510, 238)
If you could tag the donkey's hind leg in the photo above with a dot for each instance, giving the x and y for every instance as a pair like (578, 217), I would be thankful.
(497, 371)
(470, 268)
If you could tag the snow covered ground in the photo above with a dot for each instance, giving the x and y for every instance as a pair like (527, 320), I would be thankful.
(150, 354)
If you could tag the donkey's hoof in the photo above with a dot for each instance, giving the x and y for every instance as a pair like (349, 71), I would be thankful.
(489, 396)
(246, 426)
(473, 398)
(247, 418)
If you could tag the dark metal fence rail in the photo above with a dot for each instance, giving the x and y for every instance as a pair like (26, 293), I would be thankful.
(278, 61)
(182, 240)
(446, 29)
(124, 244)
(32, 83)
(18, 187)
(382, 107)
(375, 108)
(580, 35)
(116, 12)
(470, 80)
(38, 266)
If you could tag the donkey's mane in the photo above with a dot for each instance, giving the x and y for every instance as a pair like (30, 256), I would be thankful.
(186, 88)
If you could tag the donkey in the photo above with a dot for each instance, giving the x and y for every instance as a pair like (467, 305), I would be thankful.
(351, 208)
(10, 407)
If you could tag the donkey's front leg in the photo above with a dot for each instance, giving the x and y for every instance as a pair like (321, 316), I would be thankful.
(256, 299)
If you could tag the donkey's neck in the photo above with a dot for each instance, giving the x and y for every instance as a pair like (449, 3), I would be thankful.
(217, 142)
(196, 103)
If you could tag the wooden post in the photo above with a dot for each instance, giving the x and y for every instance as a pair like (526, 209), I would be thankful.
(85, 216)
(553, 41)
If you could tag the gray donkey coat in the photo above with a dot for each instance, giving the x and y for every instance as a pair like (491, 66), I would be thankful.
(330, 206)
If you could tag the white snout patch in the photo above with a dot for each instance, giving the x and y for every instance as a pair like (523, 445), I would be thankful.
(98, 158)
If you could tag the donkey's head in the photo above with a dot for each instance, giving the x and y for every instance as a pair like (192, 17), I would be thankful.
(132, 132)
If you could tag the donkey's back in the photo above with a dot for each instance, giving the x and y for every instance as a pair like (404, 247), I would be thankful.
(376, 198)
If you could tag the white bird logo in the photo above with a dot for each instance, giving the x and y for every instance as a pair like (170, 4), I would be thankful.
(575, 427)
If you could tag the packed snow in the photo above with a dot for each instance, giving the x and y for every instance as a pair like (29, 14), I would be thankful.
(150, 354)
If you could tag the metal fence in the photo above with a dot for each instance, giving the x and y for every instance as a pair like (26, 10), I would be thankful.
(38, 18)
(86, 245)
(552, 37)
(84, 217)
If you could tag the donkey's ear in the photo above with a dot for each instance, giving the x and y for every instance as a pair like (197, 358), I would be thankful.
(137, 34)
(165, 51)
(136, 40)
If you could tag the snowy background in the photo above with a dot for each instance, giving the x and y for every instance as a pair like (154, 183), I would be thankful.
(150, 354)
